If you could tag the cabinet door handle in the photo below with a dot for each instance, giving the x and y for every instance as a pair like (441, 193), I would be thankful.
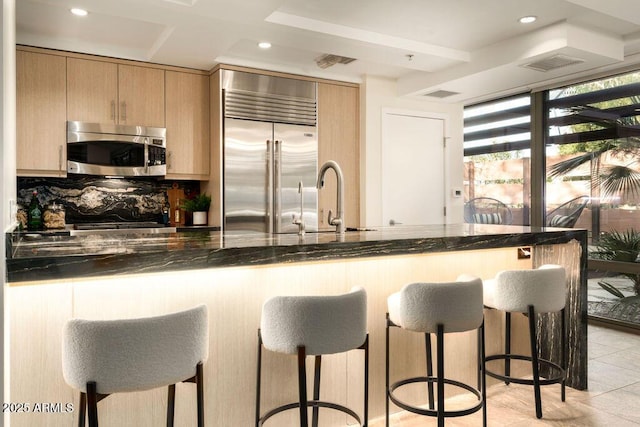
(60, 158)
(113, 110)
(169, 153)
(124, 112)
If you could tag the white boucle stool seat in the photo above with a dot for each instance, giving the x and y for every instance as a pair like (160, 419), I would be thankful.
(438, 308)
(516, 290)
(420, 307)
(313, 325)
(102, 357)
(322, 324)
(531, 292)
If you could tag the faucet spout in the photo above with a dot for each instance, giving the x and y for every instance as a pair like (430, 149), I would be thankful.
(337, 221)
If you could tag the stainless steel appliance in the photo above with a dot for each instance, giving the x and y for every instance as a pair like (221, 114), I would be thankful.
(270, 154)
(115, 150)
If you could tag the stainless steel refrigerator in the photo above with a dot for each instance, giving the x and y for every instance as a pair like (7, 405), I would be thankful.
(270, 155)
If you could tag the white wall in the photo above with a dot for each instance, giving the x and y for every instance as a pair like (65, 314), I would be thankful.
(378, 93)
(8, 159)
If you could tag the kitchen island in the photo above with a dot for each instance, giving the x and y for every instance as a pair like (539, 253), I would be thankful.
(56, 277)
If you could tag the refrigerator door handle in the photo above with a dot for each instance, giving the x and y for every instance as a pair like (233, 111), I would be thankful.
(269, 192)
(277, 195)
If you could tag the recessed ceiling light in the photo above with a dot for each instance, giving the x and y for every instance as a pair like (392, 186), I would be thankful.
(264, 45)
(79, 12)
(528, 19)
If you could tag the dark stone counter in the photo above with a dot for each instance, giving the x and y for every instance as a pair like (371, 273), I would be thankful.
(41, 258)
(57, 255)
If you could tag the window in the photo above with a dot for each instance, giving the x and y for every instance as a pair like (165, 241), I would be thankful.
(497, 140)
(592, 153)
(593, 149)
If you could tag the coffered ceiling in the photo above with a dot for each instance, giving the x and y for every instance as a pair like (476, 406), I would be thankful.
(452, 50)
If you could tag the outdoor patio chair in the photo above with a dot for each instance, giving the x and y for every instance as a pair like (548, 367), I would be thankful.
(485, 210)
(566, 215)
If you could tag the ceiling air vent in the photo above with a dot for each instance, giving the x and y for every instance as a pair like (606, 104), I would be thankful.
(553, 62)
(328, 60)
(441, 93)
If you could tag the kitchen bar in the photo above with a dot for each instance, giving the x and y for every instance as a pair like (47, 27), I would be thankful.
(233, 274)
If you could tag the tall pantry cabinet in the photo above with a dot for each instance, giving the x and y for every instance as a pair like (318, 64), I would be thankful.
(338, 139)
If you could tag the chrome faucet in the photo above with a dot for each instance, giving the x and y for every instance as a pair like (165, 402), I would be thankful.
(338, 221)
(299, 220)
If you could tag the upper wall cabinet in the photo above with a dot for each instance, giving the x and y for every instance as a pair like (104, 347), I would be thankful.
(187, 111)
(338, 139)
(104, 92)
(40, 114)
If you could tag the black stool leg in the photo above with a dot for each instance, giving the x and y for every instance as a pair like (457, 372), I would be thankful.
(302, 386)
(564, 353)
(483, 375)
(171, 404)
(440, 373)
(366, 381)
(92, 404)
(83, 409)
(258, 378)
(534, 360)
(427, 344)
(507, 345)
(200, 393)
(316, 390)
(480, 358)
(386, 388)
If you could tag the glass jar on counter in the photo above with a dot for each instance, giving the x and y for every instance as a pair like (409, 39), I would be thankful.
(54, 216)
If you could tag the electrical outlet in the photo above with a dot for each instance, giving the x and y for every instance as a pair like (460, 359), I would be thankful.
(524, 253)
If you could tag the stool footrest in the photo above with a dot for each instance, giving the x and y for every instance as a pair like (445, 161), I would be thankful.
(556, 379)
(434, 412)
(310, 404)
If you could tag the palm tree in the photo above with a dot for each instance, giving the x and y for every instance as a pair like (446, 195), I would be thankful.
(622, 246)
(609, 179)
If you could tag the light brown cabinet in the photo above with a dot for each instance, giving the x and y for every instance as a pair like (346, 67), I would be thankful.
(105, 92)
(187, 109)
(40, 114)
(338, 139)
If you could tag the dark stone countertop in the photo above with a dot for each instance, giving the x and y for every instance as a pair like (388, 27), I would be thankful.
(57, 255)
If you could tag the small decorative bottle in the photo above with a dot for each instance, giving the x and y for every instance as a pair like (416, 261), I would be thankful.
(34, 214)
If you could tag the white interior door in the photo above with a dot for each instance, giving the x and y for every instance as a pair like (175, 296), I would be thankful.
(413, 172)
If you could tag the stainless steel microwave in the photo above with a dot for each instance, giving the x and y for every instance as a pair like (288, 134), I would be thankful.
(116, 150)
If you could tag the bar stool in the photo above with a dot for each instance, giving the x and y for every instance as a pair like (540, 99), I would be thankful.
(438, 308)
(314, 325)
(530, 292)
(102, 357)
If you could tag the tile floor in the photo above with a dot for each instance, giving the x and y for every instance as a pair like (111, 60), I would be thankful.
(613, 398)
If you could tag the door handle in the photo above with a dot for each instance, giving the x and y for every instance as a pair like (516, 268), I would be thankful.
(60, 158)
(393, 222)
(270, 193)
(277, 175)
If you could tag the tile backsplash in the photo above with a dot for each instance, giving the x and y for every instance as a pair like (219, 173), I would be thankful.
(98, 199)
